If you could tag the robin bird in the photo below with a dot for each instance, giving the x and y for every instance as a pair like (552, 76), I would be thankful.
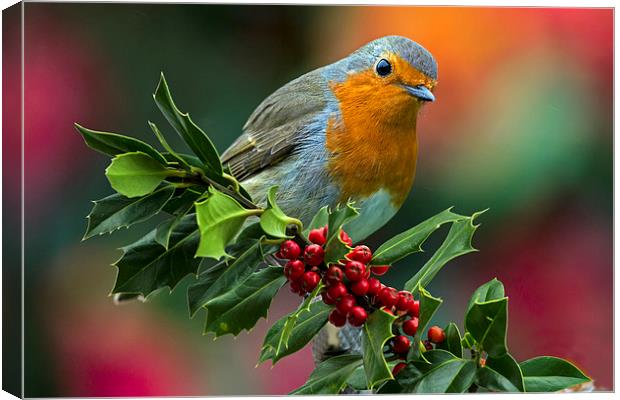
(345, 131)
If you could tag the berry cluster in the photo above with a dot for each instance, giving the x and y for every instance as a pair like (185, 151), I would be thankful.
(352, 291)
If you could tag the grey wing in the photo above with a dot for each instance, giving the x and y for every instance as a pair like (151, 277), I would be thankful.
(272, 131)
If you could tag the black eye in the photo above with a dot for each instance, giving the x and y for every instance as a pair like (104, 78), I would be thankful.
(384, 68)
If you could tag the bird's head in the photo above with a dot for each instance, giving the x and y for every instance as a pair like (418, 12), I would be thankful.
(391, 78)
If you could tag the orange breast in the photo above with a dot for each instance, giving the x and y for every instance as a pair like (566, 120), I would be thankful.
(374, 145)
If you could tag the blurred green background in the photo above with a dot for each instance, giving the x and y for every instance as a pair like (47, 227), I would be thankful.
(522, 124)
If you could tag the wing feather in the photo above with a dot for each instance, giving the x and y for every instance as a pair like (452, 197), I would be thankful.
(273, 129)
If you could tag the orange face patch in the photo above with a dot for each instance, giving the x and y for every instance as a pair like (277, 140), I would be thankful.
(375, 146)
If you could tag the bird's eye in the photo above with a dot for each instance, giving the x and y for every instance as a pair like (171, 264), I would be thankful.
(384, 68)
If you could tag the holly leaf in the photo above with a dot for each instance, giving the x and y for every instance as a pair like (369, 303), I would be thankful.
(330, 376)
(550, 374)
(493, 381)
(291, 320)
(492, 290)
(242, 305)
(508, 367)
(408, 378)
(136, 174)
(164, 230)
(453, 376)
(213, 284)
(487, 322)
(335, 249)
(320, 219)
(438, 356)
(147, 266)
(453, 341)
(220, 218)
(357, 380)
(411, 240)
(113, 144)
(428, 307)
(182, 200)
(273, 221)
(118, 211)
(168, 148)
(376, 332)
(306, 327)
(196, 138)
(456, 243)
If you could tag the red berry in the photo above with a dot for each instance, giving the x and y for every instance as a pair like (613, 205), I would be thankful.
(405, 300)
(337, 319)
(278, 254)
(398, 367)
(313, 255)
(310, 280)
(354, 270)
(388, 310)
(357, 316)
(401, 344)
(346, 303)
(436, 334)
(414, 308)
(317, 236)
(333, 275)
(346, 238)
(360, 288)
(427, 345)
(337, 291)
(388, 297)
(294, 270)
(374, 286)
(379, 269)
(290, 250)
(327, 300)
(361, 254)
(296, 287)
(410, 327)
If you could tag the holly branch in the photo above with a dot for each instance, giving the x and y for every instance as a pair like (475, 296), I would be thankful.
(259, 250)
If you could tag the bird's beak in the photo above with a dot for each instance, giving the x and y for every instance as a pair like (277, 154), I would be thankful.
(421, 92)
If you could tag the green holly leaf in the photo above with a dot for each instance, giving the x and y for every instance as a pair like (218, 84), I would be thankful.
(456, 243)
(493, 381)
(214, 284)
(453, 341)
(320, 219)
(305, 329)
(113, 144)
(335, 249)
(136, 174)
(182, 200)
(183, 206)
(411, 240)
(438, 356)
(117, 211)
(196, 138)
(357, 380)
(273, 221)
(428, 307)
(376, 332)
(453, 376)
(550, 374)
(330, 376)
(242, 305)
(291, 320)
(487, 322)
(147, 266)
(408, 378)
(220, 218)
(508, 367)
(492, 290)
(182, 162)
